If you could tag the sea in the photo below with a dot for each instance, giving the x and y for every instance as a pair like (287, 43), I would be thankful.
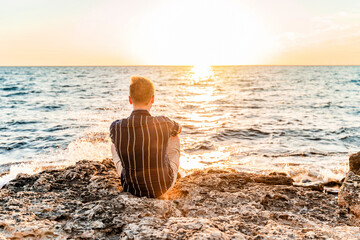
(300, 120)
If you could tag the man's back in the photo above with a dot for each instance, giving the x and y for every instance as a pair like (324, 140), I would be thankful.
(141, 141)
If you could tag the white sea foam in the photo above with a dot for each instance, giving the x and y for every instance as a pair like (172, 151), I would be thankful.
(81, 149)
(14, 171)
(222, 157)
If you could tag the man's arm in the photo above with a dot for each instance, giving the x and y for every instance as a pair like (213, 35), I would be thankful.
(116, 159)
(115, 155)
(175, 128)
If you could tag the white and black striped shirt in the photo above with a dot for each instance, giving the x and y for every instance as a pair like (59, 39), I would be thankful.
(140, 141)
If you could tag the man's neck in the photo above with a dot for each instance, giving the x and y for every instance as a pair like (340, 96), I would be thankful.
(141, 108)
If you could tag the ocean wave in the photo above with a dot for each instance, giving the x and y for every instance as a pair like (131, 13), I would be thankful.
(22, 122)
(13, 88)
(56, 128)
(356, 81)
(308, 153)
(17, 94)
(203, 145)
(52, 107)
(249, 133)
(15, 145)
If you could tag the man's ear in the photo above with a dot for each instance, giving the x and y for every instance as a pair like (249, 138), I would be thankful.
(153, 99)
(130, 101)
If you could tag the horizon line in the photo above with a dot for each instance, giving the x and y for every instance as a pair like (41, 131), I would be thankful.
(172, 65)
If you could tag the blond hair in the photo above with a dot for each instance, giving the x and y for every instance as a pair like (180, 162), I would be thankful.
(141, 90)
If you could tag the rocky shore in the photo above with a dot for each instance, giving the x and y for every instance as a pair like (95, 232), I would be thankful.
(86, 201)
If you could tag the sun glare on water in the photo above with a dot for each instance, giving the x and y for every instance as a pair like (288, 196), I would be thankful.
(201, 73)
(202, 95)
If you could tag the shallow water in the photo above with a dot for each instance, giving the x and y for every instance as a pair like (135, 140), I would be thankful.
(299, 120)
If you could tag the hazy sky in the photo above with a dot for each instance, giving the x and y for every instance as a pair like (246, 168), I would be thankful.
(179, 32)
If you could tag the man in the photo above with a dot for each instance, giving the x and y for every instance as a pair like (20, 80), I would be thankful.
(145, 149)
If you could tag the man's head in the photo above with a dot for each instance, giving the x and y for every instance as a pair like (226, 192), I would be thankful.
(141, 92)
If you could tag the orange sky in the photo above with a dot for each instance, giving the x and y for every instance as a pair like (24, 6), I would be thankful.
(179, 32)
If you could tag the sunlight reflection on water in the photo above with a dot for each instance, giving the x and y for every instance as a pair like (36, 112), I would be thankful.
(201, 73)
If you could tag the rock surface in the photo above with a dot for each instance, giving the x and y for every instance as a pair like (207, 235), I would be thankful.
(354, 163)
(349, 195)
(86, 201)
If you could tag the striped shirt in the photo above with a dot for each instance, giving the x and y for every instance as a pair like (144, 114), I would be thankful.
(140, 141)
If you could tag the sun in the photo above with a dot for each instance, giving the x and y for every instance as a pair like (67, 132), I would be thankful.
(225, 34)
(201, 72)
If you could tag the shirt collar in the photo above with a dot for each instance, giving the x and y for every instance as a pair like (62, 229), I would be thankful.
(141, 112)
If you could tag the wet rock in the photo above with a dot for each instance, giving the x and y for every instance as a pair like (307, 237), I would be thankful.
(354, 163)
(316, 186)
(349, 193)
(86, 201)
(43, 183)
(350, 189)
(22, 182)
(274, 179)
(333, 183)
(332, 190)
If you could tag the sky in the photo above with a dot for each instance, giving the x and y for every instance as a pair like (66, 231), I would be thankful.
(179, 32)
